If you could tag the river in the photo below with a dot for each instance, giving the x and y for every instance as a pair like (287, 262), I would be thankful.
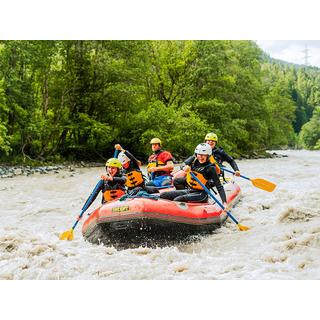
(283, 241)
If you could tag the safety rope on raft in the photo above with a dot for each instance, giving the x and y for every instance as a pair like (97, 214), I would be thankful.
(140, 194)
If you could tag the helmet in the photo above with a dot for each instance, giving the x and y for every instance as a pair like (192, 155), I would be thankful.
(211, 136)
(123, 158)
(203, 148)
(155, 140)
(114, 162)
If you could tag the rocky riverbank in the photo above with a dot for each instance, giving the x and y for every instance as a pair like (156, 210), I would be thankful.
(264, 155)
(7, 171)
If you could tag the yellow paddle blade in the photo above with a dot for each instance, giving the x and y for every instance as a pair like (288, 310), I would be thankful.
(263, 184)
(242, 228)
(67, 235)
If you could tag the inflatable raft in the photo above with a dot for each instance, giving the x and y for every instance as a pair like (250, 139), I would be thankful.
(150, 221)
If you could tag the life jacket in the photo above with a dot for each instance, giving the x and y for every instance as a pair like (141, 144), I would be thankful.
(192, 183)
(134, 178)
(213, 161)
(154, 162)
(112, 194)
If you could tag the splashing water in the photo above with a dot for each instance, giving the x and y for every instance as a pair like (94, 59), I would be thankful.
(283, 242)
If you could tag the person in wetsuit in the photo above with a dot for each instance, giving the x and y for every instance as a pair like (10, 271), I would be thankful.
(113, 186)
(217, 158)
(219, 154)
(160, 165)
(205, 172)
(131, 168)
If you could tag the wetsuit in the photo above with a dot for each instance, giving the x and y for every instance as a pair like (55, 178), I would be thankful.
(180, 183)
(220, 155)
(111, 190)
(135, 179)
(194, 192)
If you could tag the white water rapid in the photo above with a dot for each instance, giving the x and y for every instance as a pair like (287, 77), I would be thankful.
(283, 242)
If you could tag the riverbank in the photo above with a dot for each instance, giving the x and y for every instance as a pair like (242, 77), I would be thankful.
(10, 171)
(263, 155)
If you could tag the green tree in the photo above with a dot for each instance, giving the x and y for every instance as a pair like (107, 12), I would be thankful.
(310, 132)
(76, 99)
(179, 129)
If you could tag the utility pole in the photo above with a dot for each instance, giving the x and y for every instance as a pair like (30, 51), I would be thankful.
(306, 56)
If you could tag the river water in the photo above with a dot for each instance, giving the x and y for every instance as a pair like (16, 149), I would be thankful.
(283, 241)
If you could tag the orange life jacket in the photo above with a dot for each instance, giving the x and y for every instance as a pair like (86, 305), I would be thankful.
(192, 183)
(213, 161)
(112, 194)
(134, 178)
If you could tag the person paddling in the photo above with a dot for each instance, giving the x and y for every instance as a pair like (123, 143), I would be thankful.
(131, 168)
(205, 172)
(113, 186)
(179, 180)
(160, 165)
(219, 154)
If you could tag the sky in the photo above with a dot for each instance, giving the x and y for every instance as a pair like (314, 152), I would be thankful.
(293, 50)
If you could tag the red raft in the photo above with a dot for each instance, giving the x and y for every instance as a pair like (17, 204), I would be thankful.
(155, 221)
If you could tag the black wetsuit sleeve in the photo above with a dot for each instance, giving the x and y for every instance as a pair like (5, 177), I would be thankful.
(230, 160)
(133, 159)
(213, 180)
(120, 180)
(187, 162)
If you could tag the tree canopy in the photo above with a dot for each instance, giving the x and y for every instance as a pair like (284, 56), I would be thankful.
(74, 100)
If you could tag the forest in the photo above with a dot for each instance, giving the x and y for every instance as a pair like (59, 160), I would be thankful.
(73, 100)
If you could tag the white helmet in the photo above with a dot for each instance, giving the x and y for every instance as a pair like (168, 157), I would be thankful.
(123, 158)
(203, 148)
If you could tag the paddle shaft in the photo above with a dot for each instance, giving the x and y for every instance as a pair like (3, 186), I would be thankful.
(258, 182)
(68, 235)
(234, 173)
(86, 205)
(213, 197)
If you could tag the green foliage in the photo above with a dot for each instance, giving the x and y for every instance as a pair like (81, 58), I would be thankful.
(4, 141)
(310, 132)
(228, 93)
(303, 85)
(280, 114)
(76, 99)
(179, 129)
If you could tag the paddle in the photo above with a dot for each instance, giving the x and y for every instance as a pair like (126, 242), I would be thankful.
(116, 153)
(258, 182)
(68, 235)
(241, 227)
